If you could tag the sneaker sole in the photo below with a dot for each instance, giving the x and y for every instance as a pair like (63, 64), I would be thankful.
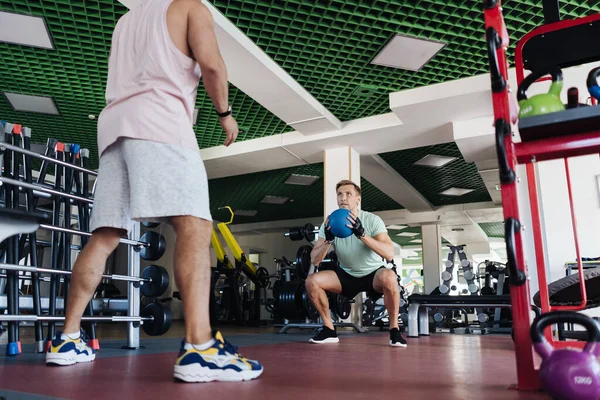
(397, 344)
(196, 373)
(68, 358)
(328, 340)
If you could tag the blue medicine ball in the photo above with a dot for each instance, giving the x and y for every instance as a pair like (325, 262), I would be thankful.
(337, 221)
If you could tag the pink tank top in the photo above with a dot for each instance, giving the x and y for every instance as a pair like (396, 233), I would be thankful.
(151, 88)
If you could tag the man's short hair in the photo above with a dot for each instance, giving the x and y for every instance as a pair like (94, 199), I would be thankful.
(345, 182)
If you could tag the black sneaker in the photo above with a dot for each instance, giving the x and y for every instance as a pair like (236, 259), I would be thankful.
(396, 339)
(325, 335)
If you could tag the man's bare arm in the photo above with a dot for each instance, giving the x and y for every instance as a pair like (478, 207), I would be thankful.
(381, 244)
(319, 252)
(204, 46)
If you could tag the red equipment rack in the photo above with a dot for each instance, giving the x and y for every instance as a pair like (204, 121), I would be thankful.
(527, 152)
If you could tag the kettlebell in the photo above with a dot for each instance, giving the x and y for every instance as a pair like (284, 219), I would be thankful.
(568, 373)
(543, 103)
(592, 83)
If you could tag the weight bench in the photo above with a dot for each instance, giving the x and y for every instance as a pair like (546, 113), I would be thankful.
(418, 317)
(14, 222)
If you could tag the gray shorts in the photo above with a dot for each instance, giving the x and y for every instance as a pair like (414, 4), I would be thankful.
(140, 180)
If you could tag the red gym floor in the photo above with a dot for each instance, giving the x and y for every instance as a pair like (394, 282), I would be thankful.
(360, 366)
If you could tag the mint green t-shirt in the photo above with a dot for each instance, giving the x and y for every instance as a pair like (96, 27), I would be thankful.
(355, 257)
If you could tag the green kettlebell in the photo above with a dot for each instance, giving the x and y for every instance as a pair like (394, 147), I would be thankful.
(543, 103)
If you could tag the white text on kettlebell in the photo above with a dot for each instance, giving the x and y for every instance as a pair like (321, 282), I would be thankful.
(583, 380)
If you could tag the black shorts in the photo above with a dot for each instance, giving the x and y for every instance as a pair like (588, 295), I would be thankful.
(351, 285)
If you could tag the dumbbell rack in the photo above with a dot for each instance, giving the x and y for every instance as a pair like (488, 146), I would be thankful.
(14, 154)
(562, 142)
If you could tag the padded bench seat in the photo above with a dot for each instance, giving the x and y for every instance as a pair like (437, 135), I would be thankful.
(418, 317)
(13, 222)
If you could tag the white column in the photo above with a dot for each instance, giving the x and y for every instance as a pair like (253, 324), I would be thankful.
(340, 163)
(432, 256)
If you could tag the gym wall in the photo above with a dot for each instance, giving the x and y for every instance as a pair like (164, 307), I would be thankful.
(555, 209)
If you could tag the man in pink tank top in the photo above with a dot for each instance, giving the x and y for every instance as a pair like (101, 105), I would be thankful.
(151, 170)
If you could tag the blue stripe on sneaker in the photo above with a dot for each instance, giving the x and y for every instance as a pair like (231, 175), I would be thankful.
(69, 346)
(193, 358)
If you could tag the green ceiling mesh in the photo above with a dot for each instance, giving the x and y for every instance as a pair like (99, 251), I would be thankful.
(327, 46)
(74, 75)
(245, 192)
(430, 182)
(493, 229)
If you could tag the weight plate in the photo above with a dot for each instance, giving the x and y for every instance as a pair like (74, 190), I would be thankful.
(443, 289)
(157, 245)
(446, 276)
(276, 289)
(159, 284)
(473, 288)
(448, 263)
(303, 261)
(469, 275)
(308, 232)
(287, 300)
(295, 234)
(465, 263)
(310, 311)
(262, 277)
(161, 319)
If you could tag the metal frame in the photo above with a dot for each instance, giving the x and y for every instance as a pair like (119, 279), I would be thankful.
(418, 314)
(133, 292)
(510, 155)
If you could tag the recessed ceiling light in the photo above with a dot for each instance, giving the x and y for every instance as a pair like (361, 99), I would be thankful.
(498, 187)
(456, 191)
(408, 234)
(434, 161)
(407, 53)
(24, 30)
(38, 104)
(365, 91)
(245, 213)
(397, 227)
(303, 180)
(274, 200)
(416, 241)
(195, 116)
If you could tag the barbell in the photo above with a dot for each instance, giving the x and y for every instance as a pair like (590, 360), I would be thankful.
(300, 233)
(154, 280)
(155, 319)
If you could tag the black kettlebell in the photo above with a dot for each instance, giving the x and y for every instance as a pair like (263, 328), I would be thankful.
(568, 373)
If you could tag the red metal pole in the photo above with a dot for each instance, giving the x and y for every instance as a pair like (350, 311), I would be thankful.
(527, 375)
(536, 227)
(575, 237)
